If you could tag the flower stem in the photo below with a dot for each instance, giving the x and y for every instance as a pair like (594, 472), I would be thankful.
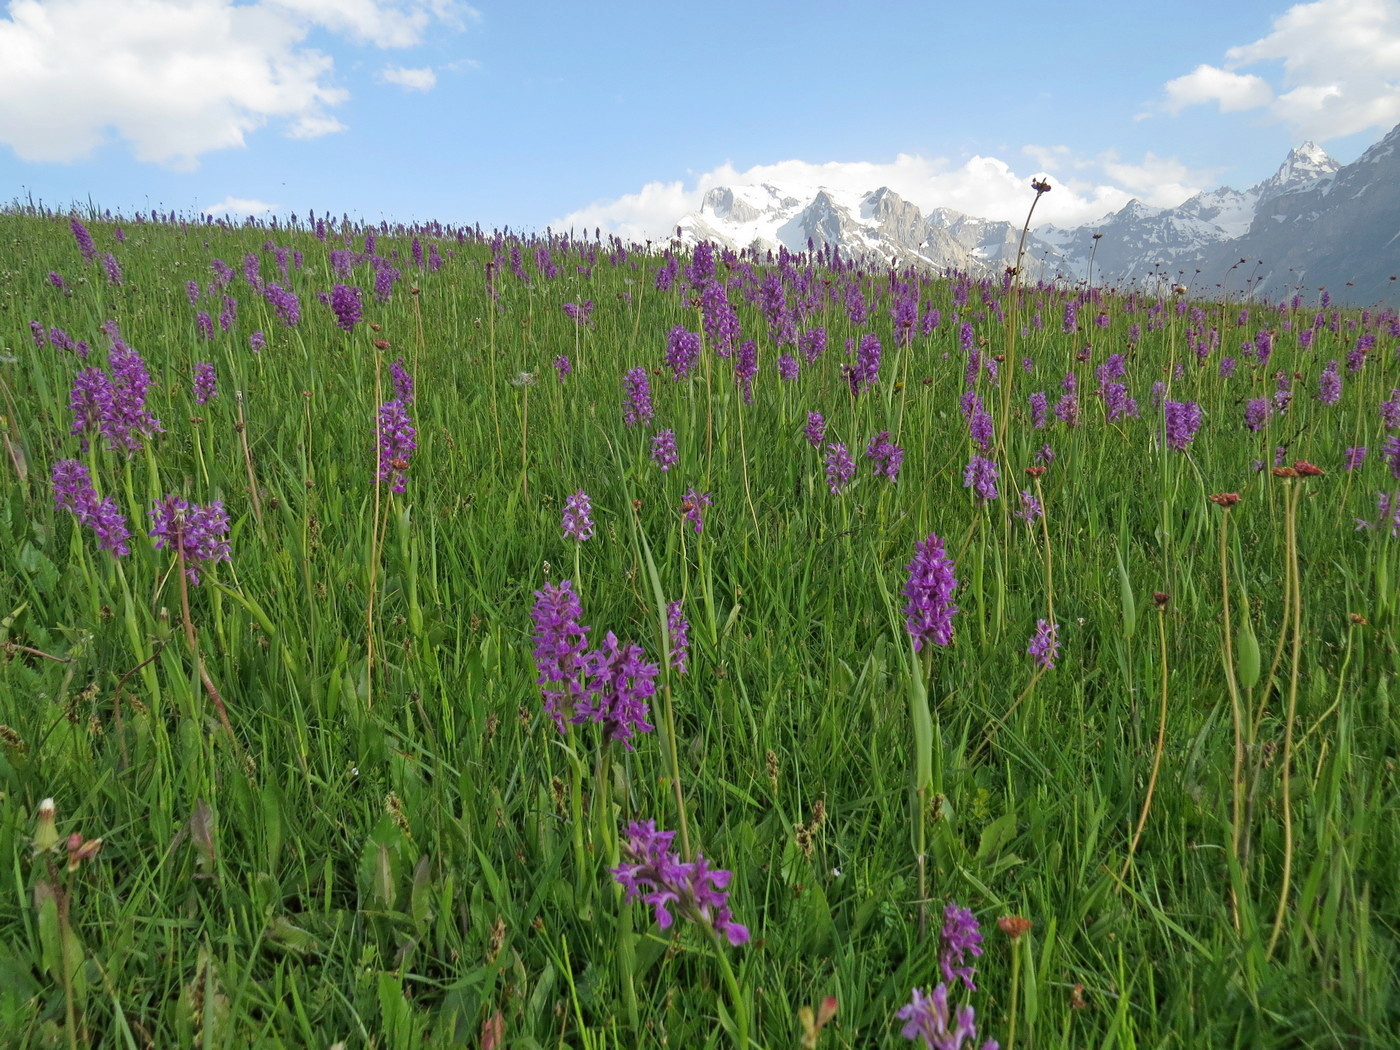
(1157, 751)
(1291, 542)
(737, 999)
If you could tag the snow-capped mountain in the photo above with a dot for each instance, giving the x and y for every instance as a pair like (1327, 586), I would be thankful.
(1341, 232)
(878, 224)
(1312, 223)
(1137, 241)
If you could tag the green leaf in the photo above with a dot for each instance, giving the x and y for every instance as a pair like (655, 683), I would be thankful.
(36, 563)
(995, 836)
(1125, 596)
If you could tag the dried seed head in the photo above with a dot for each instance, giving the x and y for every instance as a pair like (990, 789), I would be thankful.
(1014, 926)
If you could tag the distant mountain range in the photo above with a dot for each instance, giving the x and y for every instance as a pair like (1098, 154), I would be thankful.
(1313, 223)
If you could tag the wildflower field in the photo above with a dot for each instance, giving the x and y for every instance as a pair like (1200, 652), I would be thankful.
(434, 637)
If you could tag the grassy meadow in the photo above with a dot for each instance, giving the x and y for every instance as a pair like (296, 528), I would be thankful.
(334, 808)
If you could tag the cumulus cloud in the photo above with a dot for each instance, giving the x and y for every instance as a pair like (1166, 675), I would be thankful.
(1327, 69)
(176, 79)
(1160, 181)
(1232, 91)
(239, 208)
(1083, 189)
(410, 79)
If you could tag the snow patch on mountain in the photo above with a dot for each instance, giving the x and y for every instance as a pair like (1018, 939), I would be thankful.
(1313, 221)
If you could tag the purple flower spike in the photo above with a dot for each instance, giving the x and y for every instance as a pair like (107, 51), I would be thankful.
(693, 506)
(981, 476)
(1031, 511)
(345, 302)
(73, 491)
(83, 240)
(840, 468)
(90, 398)
(204, 383)
(403, 382)
(1391, 451)
(197, 531)
(579, 313)
(929, 611)
(1390, 411)
(927, 1018)
(620, 683)
(1329, 385)
(638, 407)
(887, 456)
(397, 443)
(559, 645)
(287, 304)
(960, 937)
(563, 365)
(663, 449)
(578, 525)
(679, 629)
(125, 418)
(652, 873)
(1183, 419)
(1045, 644)
(815, 430)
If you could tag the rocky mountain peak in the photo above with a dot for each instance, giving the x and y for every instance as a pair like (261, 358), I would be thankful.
(1313, 222)
(1303, 166)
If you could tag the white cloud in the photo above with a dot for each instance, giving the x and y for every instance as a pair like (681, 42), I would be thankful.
(411, 79)
(982, 186)
(239, 207)
(180, 78)
(384, 23)
(1160, 181)
(1328, 69)
(1233, 91)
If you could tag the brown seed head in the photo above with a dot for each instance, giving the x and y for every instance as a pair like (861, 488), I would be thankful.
(1285, 472)
(1307, 469)
(1225, 499)
(1160, 600)
(1358, 619)
(1014, 926)
(1034, 472)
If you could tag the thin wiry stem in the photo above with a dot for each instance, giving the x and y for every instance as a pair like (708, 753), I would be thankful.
(1157, 751)
(1290, 523)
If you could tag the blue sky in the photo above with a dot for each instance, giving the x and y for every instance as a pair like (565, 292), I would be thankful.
(527, 115)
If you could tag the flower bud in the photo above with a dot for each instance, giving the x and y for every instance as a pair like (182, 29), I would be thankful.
(46, 830)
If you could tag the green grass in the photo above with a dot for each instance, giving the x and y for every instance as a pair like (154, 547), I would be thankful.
(389, 851)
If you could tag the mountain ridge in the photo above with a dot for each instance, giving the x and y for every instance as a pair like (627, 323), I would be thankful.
(1313, 222)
